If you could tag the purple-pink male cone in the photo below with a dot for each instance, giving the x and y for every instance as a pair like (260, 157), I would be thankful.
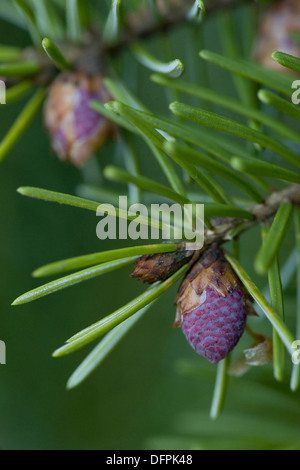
(76, 130)
(212, 307)
(277, 25)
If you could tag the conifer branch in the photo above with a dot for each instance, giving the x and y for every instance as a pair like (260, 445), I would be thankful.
(224, 229)
(142, 24)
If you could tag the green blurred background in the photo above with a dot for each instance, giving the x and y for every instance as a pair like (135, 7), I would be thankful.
(152, 391)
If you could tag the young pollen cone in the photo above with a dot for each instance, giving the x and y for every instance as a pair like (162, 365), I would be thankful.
(76, 131)
(212, 306)
(276, 26)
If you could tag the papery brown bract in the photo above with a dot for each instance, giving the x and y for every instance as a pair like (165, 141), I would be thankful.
(259, 354)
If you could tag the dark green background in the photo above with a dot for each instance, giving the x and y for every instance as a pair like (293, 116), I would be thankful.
(152, 391)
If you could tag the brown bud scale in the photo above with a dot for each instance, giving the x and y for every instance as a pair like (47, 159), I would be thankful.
(160, 266)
